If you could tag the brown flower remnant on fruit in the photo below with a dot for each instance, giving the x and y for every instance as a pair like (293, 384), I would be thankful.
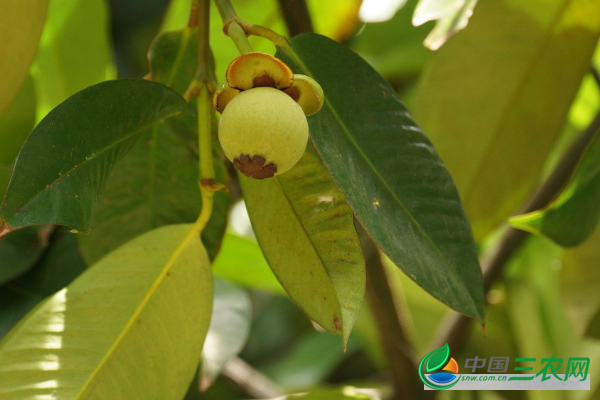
(293, 92)
(254, 167)
(264, 81)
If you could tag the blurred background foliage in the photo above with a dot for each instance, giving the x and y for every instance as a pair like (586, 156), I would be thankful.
(501, 101)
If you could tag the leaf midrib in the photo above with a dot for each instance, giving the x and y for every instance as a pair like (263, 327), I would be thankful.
(155, 285)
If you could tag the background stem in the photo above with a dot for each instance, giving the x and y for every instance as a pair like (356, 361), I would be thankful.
(296, 16)
(394, 341)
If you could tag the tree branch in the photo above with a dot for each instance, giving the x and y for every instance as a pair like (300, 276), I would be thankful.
(455, 329)
(250, 380)
(296, 15)
(396, 347)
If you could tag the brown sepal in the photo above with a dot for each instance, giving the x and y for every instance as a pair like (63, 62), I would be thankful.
(254, 167)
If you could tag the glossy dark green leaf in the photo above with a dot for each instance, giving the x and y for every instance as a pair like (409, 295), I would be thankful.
(494, 98)
(572, 217)
(306, 232)
(59, 265)
(62, 169)
(131, 326)
(391, 175)
(157, 183)
(228, 331)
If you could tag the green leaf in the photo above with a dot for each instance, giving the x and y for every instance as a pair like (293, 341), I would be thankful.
(21, 24)
(242, 262)
(579, 282)
(157, 183)
(59, 265)
(571, 218)
(20, 250)
(494, 99)
(391, 175)
(75, 51)
(229, 328)
(306, 232)
(63, 167)
(16, 123)
(139, 314)
(438, 358)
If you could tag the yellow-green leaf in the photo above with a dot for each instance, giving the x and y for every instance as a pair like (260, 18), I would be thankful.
(21, 24)
(306, 232)
(131, 327)
(495, 97)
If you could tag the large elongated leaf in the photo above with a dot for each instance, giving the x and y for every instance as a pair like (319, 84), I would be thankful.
(306, 232)
(391, 175)
(74, 53)
(21, 24)
(20, 250)
(157, 183)
(572, 217)
(62, 168)
(130, 327)
(495, 97)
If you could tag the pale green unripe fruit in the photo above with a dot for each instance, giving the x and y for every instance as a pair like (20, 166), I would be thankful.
(263, 131)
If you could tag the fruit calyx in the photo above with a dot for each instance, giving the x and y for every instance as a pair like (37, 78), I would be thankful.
(254, 167)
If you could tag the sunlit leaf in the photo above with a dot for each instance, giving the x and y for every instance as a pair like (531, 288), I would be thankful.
(242, 262)
(62, 168)
(306, 232)
(21, 24)
(157, 183)
(580, 279)
(229, 328)
(75, 51)
(16, 123)
(571, 218)
(495, 97)
(139, 314)
(391, 175)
